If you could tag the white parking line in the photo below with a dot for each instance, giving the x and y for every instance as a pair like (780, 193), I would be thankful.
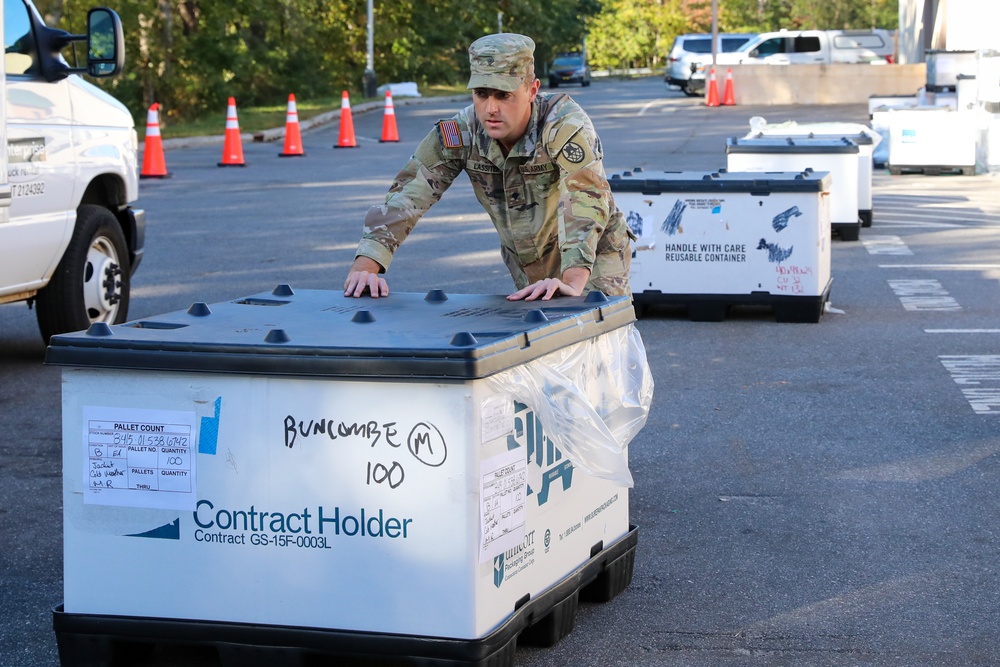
(923, 294)
(885, 244)
(962, 331)
(646, 107)
(912, 224)
(942, 267)
(979, 377)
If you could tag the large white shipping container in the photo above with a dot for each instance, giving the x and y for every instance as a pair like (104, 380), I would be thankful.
(865, 137)
(408, 468)
(714, 240)
(931, 140)
(838, 156)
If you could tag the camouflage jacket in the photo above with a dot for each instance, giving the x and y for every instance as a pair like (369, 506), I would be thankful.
(549, 198)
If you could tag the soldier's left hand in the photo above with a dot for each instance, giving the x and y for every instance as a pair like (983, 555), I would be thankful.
(545, 290)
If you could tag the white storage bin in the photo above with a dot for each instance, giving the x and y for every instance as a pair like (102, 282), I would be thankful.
(943, 68)
(837, 156)
(930, 141)
(865, 137)
(883, 102)
(709, 241)
(300, 469)
(967, 93)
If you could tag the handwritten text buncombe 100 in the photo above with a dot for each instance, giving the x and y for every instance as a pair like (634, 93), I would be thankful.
(306, 528)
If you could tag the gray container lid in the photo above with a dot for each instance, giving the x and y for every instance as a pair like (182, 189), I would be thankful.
(722, 181)
(322, 333)
(861, 139)
(770, 144)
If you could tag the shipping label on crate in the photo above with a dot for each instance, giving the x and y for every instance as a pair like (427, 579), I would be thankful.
(503, 494)
(139, 458)
(736, 244)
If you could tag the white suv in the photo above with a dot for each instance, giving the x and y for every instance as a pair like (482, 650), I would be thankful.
(691, 53)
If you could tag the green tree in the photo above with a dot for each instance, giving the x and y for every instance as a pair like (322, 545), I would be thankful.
(634, 33)
(190, 55)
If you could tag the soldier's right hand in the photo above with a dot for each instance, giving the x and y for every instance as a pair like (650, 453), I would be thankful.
(364, 277)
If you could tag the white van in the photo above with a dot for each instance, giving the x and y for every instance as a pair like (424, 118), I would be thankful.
(689, 55)
(69, 241)
(809, 47)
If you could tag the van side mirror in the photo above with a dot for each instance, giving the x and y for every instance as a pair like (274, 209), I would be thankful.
(105, 43)
(105, 46)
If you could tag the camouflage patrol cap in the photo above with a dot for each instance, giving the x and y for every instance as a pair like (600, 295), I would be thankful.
(501, 61)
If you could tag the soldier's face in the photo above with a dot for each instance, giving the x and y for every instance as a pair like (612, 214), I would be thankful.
(505, 115)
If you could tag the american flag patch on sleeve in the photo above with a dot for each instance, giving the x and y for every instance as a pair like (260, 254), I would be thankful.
(450, 134)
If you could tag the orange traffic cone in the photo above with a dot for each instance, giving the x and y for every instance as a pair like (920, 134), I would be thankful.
(153, 164)
(347, 139)
(232, 149)
(389, 132)
(711, 90)
(728, 96)
(293, 136)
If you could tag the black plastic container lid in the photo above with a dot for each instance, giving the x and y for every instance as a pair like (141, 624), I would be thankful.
(771, 144)
(722, 181)
(325, 334)
(861, 139)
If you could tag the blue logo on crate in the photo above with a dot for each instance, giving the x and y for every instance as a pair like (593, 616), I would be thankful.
(541, 452)
(781, 220)
(168, 531)
(498, 568)
(208, 435)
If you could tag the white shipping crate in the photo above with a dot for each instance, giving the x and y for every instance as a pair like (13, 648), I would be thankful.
(883, 102)
(943, 68)
(880, 125)
(713, 240)
(967, 93)
(931, 140)
(838, 156)
(988, 76)
(865, 137)
(299, 461)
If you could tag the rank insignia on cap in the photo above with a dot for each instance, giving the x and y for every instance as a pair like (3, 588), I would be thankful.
(450, 134)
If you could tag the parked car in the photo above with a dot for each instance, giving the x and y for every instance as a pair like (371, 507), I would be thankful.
(807, 47)
(690, 53)
(569, 68)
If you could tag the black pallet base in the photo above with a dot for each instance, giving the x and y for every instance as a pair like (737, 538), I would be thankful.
(866, 218)
(715, 307)
(89, 640)
(847, 231)
(931, 170)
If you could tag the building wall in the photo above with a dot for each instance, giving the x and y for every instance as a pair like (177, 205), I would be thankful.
(946, 25)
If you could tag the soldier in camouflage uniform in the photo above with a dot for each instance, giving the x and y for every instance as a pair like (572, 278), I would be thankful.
(535, 165)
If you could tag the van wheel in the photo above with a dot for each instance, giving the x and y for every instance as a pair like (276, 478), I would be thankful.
(91, 283)
(691, 92)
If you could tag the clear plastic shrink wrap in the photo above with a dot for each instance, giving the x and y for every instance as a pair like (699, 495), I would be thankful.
(591, 397)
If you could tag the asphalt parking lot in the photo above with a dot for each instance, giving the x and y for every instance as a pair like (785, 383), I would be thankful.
(806, 494)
